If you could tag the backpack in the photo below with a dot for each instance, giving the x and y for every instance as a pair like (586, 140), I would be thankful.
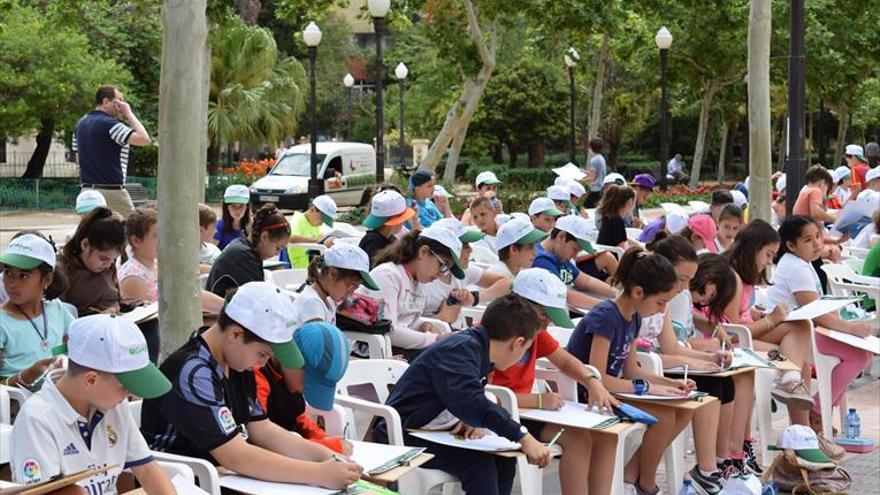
(362, 314)
(790, 476)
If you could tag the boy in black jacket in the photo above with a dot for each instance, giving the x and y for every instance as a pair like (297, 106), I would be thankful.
(443, 389)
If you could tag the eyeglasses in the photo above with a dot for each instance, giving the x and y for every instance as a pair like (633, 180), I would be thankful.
(444, 266)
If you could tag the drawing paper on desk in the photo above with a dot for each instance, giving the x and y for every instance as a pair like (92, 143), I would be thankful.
(819, 307)
(377, 458)
(259, 487)
(571, 414)
(489, 443)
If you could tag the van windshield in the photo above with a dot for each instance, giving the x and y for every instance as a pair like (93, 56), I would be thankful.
(296, 164)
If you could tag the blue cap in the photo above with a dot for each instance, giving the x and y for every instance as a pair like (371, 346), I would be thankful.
(325, 351)
(418, 178)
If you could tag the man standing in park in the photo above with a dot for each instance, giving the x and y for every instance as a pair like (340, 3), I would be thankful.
(595, 172)
(101, 143)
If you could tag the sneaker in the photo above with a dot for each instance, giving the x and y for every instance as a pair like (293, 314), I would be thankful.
(751, 462)
(793, 394)
(731, 467)
(639, 490)
(629, 489)
(706, 485)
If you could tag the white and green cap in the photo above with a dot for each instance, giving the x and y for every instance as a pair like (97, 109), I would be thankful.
(840, 173)
(265, 310)
(113, 344)
(805, 444)
(559, 193)
(544, 206)
(441, 191)
(574, 187)
(27, 252)
(88, 200)
(447, 238)
(327, 208)
(579, 227)
(236, 194)
(542, 287)
(488, 178)
(350, 257)
(518, 231)
(614, 178)
(465, 235)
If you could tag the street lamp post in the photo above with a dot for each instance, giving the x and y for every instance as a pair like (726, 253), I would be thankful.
(571, 59)
(401, 72)
(348, 81)
(663, 39)
(378, 10)
(795, 157)
(312, 37)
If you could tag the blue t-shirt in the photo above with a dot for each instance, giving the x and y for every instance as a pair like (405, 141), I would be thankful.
(101, 143)
(565, 270)
(428, 213)
(224, 238)
(605, 319)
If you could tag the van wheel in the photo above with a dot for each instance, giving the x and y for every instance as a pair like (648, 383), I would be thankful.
(365, 197)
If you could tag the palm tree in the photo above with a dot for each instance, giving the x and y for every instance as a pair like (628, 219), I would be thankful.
(255, 97)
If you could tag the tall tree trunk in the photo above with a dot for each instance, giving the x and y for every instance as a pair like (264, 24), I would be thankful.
(598, 89)
(512, 155)
(722, 152)
(213, 159)
(537, 154)
(203, 117)
(702, 132)
(180, 125)
(462, 111)
(37, 162)
(760, 154)
(842, 126)
(780, 151)
(454, 153)
(496, 151)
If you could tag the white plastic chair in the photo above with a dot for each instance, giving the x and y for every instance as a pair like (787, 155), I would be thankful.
(378, 346)
(854, 252)
(616, 250)
(381, 374)
(843, 281)
(824, 366)
(482, 254)
(855, 264)
(290, 278)
(8, 395)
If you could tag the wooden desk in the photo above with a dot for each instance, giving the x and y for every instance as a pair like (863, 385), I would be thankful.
(685, 404)
(393, 475)
(719, 374)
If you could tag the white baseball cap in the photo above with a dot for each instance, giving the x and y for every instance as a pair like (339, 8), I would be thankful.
(780, 183)
(236, 194)
(265, 310)
(88, 200)
(544, 206)
(558, 193)
(487, 178)
(840, 173)
(115, 345)
(388, 208)
(350, 257)
(676, 220)
(441, 191)
(575, 188)
(518, 231)
(448, 238)
(27, 252)
(327, 208)
(805, 444)
(579, 227)
(542, 287)
(465, 235)
(872, 174)
(614, 178)
(869, 196)
(570, 171)
(739, 199)
(855, 150)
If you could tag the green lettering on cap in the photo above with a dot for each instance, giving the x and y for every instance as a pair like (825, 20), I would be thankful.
(137, 349)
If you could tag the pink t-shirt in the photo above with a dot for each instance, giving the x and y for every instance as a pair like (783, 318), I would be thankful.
(745, 302)
(134, 268)
(808, 196)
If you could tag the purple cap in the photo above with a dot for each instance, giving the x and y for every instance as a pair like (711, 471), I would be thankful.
(644, 180)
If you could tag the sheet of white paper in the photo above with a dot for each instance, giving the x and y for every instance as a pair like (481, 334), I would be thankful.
(654, 397)
(743, 358)
(855, 211)
(372, 455)
(679, 370)
(819, 307)
(571, 414)
(490, 443)
(336, 234)
(258, 487)
(142, 313)
(570, 171)
(869, 343)
(185, 486)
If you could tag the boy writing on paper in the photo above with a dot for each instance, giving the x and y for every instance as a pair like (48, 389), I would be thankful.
(547, 295)
(443, 389)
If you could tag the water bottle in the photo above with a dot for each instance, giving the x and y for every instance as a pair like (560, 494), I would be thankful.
(687, 488)
(769, 488)
(853, 425)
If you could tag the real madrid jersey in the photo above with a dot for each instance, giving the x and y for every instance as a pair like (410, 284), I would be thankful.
(205, 409)
(51, 438)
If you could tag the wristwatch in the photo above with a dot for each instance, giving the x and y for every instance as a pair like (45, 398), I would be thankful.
(641, 386)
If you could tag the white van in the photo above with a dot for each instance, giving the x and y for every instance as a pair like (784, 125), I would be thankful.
(347, 169)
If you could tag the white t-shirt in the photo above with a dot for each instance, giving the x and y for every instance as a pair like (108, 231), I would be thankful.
(863, 239)
(792, 274)
(680, 309)
(438, 290)
(51, 438)
(208, 253)
(842, 194)
(309, 306)
(405, 302)
(488, 241)
(501, 269)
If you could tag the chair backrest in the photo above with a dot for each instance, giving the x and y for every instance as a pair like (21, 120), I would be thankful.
(288, 278)
(380, 374)
(203, 281)
(562, 335)
(855, 264)
(843, 280)
(482, 254)
(651, 362)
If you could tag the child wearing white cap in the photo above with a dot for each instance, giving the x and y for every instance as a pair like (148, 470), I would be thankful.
(305, 227)
(86, 201)
(83, 420)
(843, 191)
(402, 273)
(562, 199)
(516, 246)
(236, 215)
(32, 320)
(388, 213)
(543, 213)
(483, 216)
(854, 155)
(555, 254)
(580, 472)
(486, 185)
(213, 412)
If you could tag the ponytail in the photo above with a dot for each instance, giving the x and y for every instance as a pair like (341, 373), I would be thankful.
(269, 219)
(102, 228)
(653, 273)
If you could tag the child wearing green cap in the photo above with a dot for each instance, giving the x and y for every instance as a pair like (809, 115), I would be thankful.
(305, 227)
